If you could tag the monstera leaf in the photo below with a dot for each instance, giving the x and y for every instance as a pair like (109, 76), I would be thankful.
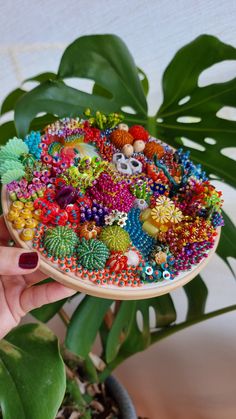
(181, 84)
(106, 60)
(188, 111)
(32, 376)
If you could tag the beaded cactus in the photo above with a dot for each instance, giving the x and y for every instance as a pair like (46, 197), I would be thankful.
(115, 238)
(92, 254)
(60, 241)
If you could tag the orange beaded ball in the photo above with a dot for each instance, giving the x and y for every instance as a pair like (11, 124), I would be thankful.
(121, 137)
(153, 148)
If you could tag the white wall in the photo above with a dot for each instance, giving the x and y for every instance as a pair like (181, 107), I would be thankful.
(191, 375)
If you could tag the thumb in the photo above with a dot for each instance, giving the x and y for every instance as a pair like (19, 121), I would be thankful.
(15, 261)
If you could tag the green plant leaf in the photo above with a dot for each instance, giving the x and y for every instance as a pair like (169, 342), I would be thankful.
(100, 91)
(137, 336)
(144, 80)
(102, 58)
(227, 245)
(196, 292)
(32, 376)
(11, 99)
(55, 98)
(85, 323)
(41, 121)
(180, 81)
(7, 130)
(106, 60)
(120, 329)
(41, 77)
(48, 311)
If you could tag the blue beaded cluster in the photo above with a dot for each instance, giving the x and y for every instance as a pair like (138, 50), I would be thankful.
(96, 213)
(158, 188)
(33, 140)
(190, 169)
(150, 271)
(139, 238)
(217, 220)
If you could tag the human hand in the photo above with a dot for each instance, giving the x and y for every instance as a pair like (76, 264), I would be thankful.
(18, 275)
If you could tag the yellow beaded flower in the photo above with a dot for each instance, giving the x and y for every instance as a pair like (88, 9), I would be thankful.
(164, 201)
(160, 215)
(174, 214)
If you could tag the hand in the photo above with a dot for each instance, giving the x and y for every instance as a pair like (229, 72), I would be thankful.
(18, 274)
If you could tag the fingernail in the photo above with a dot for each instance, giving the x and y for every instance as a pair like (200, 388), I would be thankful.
(28, 260)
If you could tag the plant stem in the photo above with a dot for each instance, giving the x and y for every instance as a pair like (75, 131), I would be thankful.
(161, 334)
(64, 317)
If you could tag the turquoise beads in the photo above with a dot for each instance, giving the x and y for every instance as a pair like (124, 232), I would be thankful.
(140, 239)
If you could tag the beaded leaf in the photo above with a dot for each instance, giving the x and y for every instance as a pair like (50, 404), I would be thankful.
(10, 165)
(16, 146)
(11, 175)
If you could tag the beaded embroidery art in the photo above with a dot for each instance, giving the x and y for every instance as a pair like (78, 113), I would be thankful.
(109, 204)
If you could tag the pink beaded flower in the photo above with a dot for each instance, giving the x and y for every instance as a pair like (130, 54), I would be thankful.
(115, 196)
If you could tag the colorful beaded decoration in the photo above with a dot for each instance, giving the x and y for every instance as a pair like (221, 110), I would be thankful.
(109, 203)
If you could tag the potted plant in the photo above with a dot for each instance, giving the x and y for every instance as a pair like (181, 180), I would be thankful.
(37, 378)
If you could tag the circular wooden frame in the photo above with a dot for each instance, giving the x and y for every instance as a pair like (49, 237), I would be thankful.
(108, 291)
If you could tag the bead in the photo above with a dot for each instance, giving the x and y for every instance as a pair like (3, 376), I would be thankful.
(31, 223)
(118, 157)
(123, 127)
(89, 230)
(19, 223)
(120, 137)
(13, 214)
(27, 234)
(139, 133)
(138, 146)
(132, 258)
(152, 148)
(135, 165)
(166, 275)
(25, 213)
(124, 168)
(17, 205)
(29, 205)
(36, 214)
(127, 150)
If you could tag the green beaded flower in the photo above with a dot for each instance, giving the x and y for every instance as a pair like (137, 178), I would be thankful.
(92, 254)
(60, 241)
(115, 238)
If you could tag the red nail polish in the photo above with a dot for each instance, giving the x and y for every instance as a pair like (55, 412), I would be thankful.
(28, 260)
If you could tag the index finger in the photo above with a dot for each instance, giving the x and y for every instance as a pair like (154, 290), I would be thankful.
(4, 233)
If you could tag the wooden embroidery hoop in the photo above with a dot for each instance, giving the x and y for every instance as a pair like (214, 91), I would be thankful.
(107, 291)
